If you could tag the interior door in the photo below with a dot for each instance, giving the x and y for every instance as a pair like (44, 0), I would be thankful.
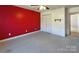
(46, 23)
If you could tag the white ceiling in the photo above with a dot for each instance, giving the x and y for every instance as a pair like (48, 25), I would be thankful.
(50, 6)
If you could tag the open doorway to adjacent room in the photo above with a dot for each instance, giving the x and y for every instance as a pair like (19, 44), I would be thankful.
(74, 24)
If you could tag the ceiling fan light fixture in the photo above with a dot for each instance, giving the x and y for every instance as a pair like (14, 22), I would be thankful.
(42, 7)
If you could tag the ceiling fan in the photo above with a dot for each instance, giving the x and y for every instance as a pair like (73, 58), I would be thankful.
(41, 7)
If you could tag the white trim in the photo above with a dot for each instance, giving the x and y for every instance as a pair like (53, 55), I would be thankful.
(18, 36)
(26, 7)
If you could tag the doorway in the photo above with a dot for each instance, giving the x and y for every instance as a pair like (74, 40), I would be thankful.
(74, 24)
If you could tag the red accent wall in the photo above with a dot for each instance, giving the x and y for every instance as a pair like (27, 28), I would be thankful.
(16, 21)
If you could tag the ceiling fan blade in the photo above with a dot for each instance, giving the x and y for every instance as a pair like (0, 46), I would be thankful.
(34, 5)
(47, 7)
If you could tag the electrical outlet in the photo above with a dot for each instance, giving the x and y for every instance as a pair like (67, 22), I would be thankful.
(26, 30)
(9, 34)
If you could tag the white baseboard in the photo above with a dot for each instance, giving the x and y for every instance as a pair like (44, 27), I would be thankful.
(19, 36)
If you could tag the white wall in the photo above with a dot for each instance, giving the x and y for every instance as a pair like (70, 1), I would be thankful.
(74, 10)
(58, 27)
(61, 28)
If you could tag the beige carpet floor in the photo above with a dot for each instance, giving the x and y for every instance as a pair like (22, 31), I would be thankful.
(41, 42)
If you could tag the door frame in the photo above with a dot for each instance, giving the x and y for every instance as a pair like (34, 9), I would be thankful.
(70, 21)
